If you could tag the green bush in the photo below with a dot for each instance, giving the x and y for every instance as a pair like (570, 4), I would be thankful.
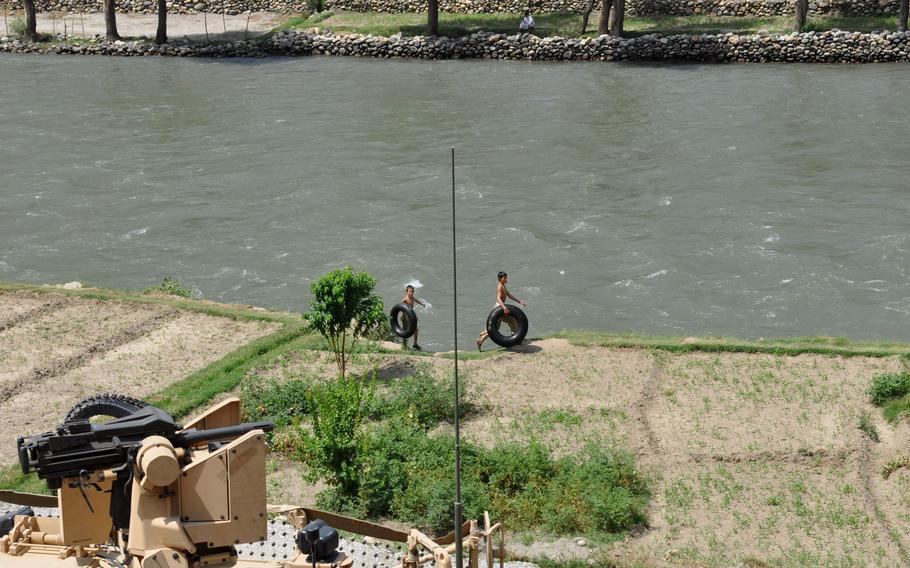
(888, 386)
(423, 398)
(334, 449)
(173, 287)
(408, 474)
(281, 402)
(17, 28)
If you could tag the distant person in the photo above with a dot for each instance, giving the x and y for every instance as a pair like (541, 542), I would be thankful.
(410, 300)
(502, 294)
(527, 23)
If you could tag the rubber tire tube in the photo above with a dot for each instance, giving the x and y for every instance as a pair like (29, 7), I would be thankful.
(113, 405)
(411, 324)
(507, 340)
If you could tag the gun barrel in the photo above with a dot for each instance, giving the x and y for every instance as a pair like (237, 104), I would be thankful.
(194, 436)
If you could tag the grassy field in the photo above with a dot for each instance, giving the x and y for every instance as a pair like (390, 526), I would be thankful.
(569, 25)
(781, 452)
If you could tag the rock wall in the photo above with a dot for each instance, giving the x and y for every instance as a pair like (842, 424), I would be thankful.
(634, 7)
(811, 47)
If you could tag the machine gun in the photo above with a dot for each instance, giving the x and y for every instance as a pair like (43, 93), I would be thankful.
(142, 491)
(170, 495)
(79, 446)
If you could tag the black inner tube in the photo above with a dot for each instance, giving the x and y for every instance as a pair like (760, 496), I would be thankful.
(517, 322)
(403, 321)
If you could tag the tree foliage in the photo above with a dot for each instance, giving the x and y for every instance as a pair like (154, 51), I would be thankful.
(344, 308)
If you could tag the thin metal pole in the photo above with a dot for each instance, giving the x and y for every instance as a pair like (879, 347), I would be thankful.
(458, 521)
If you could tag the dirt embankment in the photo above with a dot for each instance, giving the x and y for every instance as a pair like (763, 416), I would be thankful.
(56, 350)
(756, 460)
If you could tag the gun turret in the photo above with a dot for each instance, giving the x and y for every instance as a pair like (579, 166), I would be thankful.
(79, 446)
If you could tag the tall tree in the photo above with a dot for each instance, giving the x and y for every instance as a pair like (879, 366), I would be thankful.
(110, 20)
(161, 34)
(603, 24)
(902, 18)
(619, 17)
(802, 11)
(433, 17)
(31, 21)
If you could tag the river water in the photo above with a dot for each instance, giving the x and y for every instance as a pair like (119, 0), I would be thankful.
(745, 200)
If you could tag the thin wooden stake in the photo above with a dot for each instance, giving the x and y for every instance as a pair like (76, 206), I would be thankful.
(82, 20)
(224, 24)
(205, 22)
(246, 32)
(5, 17)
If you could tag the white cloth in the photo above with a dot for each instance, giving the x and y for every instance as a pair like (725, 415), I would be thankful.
(526, 23)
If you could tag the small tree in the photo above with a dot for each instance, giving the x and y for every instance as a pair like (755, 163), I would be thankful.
(344, 308)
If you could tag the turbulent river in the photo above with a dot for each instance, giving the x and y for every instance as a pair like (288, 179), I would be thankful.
(745, 200)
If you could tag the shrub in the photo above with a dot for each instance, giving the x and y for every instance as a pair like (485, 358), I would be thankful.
(344, 308)
(423, 398)
(888, 386)
(17, 28)
(334, 449)
(409, 475)
(173, 287)
(281, 402)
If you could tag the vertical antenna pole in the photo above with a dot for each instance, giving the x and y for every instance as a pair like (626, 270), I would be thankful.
(458, 520)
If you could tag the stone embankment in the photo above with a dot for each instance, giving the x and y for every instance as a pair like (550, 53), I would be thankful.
(633, 7)
(812, 47)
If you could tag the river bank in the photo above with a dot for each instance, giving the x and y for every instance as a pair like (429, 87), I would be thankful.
(810, 47)
(757, 453)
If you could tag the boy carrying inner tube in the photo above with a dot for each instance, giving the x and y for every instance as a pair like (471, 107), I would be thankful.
(502, 294)
(410, 300)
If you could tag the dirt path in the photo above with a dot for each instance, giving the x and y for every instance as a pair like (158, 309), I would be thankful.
(179, 26)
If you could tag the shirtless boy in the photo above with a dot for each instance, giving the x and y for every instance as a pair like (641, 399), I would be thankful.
(410, 300)
(502, 294)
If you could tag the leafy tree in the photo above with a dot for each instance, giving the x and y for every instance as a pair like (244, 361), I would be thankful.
(344, 308)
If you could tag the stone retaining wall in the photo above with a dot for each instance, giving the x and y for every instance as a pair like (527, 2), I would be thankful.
(812, 47)
(633, 7)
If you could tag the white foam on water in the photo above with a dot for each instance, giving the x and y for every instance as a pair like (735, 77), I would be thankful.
(667, 200)
(656, 274)
(786, 281)
(134, 233)
(773, 238)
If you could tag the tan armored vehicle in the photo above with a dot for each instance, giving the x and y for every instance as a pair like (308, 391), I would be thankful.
(142, 491)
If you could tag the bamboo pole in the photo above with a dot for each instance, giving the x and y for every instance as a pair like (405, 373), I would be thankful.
(205, 22)
(82, 20)
(246, 32)
(224, 24)
(6, 17)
